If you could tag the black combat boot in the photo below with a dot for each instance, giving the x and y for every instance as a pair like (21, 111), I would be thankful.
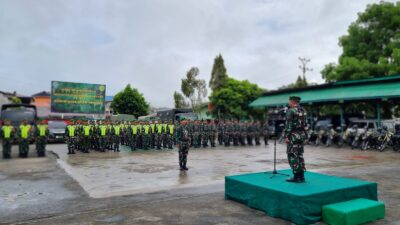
(297, 178)
(184, 166)
(301, 177)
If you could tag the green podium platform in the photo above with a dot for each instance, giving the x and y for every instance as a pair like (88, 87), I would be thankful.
(300, 203)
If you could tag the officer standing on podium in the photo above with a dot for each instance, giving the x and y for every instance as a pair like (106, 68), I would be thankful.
(295, 133)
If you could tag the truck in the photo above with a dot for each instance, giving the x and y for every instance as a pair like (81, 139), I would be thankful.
(16, 113)
(176, 114)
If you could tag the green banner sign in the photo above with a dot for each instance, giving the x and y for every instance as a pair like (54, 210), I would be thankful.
(68, 97)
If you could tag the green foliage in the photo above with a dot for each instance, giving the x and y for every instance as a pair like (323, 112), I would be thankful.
(233, 99)
(179, 100)
(194, 89)
(372, 46)
(218, 74)
(15, 100)
(130, 101)
(300, 82)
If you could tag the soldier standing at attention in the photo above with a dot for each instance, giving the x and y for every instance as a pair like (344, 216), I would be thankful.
(116, 131)
(205, 133)
(220, 127)
(146, 136)
(6, 135)
(70, 131)
(153, 134)
(294, 133)
(257, 134)
(164, 135)
(183, 140)
(86, 134)
(266, 132)
(158, 134)
(213, 132)
(236, 133)
(170, 133)
(103, 137)
(41, 134)
(24, 135)
(133, 133)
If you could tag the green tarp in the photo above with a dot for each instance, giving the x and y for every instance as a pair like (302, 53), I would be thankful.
(353, 212)
(300, 203)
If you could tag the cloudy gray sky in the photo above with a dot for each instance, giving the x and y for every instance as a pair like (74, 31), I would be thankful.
(152, 43)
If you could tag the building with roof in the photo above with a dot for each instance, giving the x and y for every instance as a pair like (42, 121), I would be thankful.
(374, 91)
(108, 110)
(42, 101)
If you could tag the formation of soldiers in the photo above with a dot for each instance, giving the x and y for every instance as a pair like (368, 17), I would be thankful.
(109, 136)
(86, 135)
(24, 135)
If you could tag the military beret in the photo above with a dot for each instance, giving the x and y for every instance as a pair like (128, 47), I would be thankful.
(294, 98)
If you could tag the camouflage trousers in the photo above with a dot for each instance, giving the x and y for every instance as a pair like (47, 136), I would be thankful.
(204, 138)
(23, 147)
(7, 148)
(236, 136)
(116, 142)
(295, 157)
(196, 139)
(71, 144)
(183, 153)
(257, 138)
(41, 146)
(85, 143)
(220, 137)
(212, 139)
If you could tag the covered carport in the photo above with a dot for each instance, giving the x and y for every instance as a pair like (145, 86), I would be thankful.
(374, 91)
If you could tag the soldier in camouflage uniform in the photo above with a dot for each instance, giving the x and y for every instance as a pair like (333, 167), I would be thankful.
(146, 135)
(133, 135)
(257, 132)
(158, 134)
(294, 134)
(220, 135)
(205, 133)
(183, 141)
(266, 132)
(250, 133)
(116, 132)
(196, 134)
(243, 133)
(228, 133)
(213, 132)
(153, 134)
(103, 137)
(6, 136)
(71, 135)
(85, 136)
(41, 135)
(170, 134)
(24, 134)
(236, 133)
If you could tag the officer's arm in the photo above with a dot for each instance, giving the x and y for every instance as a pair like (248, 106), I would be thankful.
(289, 124)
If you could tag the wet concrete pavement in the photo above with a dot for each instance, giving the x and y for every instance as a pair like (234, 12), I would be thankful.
(146, 187)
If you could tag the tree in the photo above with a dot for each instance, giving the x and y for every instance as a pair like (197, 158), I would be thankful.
(179, 100)
(372, 46)
(233, 99)
(218, 74)
(15, 100)
(300, 82)
(130, 101)
(194, 89)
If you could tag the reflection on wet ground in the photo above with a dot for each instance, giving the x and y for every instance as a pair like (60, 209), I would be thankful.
(113, 174)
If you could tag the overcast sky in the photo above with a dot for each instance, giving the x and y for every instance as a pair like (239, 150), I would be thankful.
(152, 43)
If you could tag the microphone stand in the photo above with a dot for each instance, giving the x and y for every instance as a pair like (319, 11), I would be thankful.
(275, 172)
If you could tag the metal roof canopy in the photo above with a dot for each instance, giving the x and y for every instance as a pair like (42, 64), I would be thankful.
(381, 88)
